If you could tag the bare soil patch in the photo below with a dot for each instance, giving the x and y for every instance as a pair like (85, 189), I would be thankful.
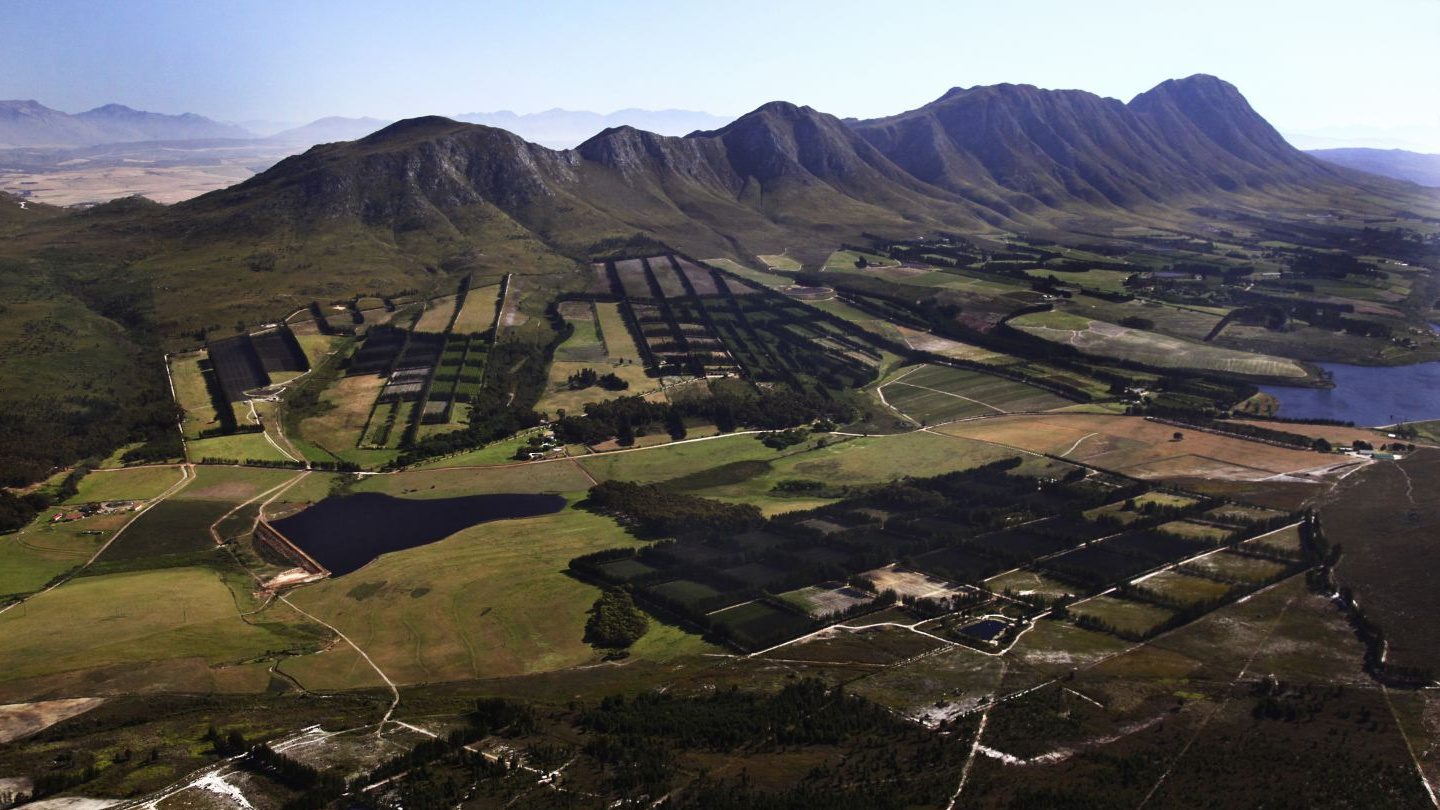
(23, 719)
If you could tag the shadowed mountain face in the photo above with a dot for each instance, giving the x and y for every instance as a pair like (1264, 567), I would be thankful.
(1049, 148)
(1003, 155)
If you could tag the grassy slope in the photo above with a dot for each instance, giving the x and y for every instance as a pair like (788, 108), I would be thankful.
(491, 600)
(138, 618)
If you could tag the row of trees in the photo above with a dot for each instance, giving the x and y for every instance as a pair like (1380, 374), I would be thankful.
(654, 511)
(729, 406)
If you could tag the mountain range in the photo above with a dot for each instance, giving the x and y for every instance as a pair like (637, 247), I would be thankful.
(1006, 155)
(31, 124)
(431, 194)
(1416, 167)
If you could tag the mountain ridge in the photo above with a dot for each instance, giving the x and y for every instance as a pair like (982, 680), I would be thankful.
(28, 123)
(984, 156)
(1399, 164)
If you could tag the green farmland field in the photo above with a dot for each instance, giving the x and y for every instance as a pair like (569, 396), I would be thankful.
(939, 393)
(488, 601)
(145, 621)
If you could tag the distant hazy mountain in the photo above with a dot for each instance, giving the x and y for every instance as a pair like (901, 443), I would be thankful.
(563, 129)
(265, 127)
(1416, 167)
(329, 130)
(121, 124)
(29, 123)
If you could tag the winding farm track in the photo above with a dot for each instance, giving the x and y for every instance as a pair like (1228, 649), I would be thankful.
(949, 394)
(274, 494)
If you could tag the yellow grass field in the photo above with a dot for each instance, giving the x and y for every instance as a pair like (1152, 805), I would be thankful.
(619, 346)
(438, 482)
(1335, 434)
(478, 314)
(946, 347)
(341, 427)
(133, 484)
(779, 261)
(558, 394)
(437, 314)
(757, 276)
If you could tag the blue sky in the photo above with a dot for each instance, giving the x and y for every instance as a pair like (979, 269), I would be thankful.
(1307, 66)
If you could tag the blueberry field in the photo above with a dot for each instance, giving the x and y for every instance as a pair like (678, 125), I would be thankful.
(691, 320)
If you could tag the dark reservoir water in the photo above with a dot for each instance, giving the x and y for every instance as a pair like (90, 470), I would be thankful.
(1366, 395)
(345, 533)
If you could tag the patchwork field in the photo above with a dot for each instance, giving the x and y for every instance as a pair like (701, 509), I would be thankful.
(1145, 449)
(909, 583)
(823, 600)
(934, 394)
(478, 313)
(1112, 340)
(927, 342)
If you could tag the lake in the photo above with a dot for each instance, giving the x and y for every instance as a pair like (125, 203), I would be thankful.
(345, 533)
(1366, 395)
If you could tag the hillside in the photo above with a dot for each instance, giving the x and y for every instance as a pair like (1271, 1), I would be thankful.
(1016, 147)
(1416, 167)
(433, 192)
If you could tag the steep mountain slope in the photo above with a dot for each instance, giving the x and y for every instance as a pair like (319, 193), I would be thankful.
(1034, 148)
(29, 123)
(1399, 164)
(779, 170)
(390, 210)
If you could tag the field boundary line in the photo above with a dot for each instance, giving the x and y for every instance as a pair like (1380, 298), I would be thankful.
(1204, 724)
(1410, 749)
(880, 392)
(974, 749)
(951, 394)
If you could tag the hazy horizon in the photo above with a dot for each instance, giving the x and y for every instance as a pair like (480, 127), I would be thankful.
(1311, 68)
